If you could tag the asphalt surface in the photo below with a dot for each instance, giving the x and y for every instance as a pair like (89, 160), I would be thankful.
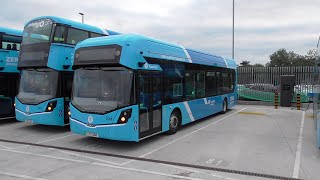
(249, 138)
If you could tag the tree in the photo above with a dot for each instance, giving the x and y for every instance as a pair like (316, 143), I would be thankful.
(258, 65)
(245, 63)
(281, 58)
(284, 58)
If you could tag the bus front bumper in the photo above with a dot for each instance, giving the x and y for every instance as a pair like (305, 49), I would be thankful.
(45, 118)
(119, 132)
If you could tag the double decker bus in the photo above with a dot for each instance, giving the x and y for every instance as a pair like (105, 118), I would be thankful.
(10, 41)
(45, 62)
(130, 87)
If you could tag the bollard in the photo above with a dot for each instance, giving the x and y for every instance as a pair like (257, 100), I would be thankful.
(298, 101)
(276, 100)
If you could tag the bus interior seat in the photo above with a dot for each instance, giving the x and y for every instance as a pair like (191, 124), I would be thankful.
(14, 47)
(8, 46)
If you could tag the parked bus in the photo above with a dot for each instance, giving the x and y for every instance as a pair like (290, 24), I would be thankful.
(10, 40)
(130, 87)
(45, 62)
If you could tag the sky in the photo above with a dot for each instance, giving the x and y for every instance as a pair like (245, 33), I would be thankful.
(261, 26)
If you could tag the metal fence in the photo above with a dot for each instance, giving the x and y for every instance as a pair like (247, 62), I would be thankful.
(260, 83)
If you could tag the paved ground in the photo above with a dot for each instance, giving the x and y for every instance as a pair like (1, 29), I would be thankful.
(248, 138)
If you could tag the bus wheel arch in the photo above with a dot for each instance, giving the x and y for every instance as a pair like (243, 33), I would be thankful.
(174, 121)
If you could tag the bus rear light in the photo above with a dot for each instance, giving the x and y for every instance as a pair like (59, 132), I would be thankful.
(51, 105)
(124, 116)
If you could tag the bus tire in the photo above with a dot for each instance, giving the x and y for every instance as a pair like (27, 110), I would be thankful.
(225, 106)
(174, 123)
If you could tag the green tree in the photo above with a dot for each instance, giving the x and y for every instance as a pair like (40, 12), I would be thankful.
(281, 58)
(245, 63)
(258, 65)
(284, 58)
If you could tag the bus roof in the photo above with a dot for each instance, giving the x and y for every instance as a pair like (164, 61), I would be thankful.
(77, 25)
(10, 31)
(159, 49)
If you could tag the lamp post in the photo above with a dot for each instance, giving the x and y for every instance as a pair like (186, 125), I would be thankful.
(232, 29)
(82, 16)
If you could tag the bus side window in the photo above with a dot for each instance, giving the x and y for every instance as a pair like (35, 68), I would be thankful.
(94, 35)
(76, 35)
(59, 34)
(211, 83)
(10, 42)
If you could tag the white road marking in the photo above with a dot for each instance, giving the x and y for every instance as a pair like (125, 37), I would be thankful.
(20, 176)
(48, 140)
(104, 165)
(161, 147)
(296, 168)
(148, 172)
(87, 157)
(4, 147)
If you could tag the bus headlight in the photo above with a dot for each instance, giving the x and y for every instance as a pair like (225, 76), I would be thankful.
(125, 116)
(51, 105)
(69, 113)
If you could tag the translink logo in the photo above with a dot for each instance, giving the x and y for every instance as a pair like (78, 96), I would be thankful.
(209, 102)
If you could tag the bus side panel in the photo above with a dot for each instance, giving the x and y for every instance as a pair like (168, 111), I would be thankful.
(167, 110)
(197, 109)
(60, 55)
(9, 60)
(36, 113)
(232, 100)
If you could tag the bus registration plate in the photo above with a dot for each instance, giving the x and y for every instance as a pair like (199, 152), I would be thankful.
(29, 120)
(91, 134)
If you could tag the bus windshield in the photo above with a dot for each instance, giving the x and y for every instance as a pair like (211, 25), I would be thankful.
(99, 90)
(37, 31)
(37, 85)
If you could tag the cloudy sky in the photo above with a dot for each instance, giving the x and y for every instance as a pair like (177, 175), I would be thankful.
(261, 26)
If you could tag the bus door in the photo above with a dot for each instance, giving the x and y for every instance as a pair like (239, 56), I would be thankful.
(8, 90)
(150, 101)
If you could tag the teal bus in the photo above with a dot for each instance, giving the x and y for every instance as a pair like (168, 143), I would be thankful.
(45, 62)
(130, 87)
(10, 41)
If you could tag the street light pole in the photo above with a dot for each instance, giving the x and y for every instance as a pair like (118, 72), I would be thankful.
(82, 16)
(232, 29)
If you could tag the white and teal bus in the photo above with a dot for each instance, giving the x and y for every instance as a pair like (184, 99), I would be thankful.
(130, 87)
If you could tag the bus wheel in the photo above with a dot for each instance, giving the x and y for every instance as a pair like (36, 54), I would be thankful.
(174, 123)
(225, 106)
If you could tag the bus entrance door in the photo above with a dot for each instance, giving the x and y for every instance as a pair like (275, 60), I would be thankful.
(150, 99)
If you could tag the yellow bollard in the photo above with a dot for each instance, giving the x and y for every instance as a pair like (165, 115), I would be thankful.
(276, 100)
(298, 101)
